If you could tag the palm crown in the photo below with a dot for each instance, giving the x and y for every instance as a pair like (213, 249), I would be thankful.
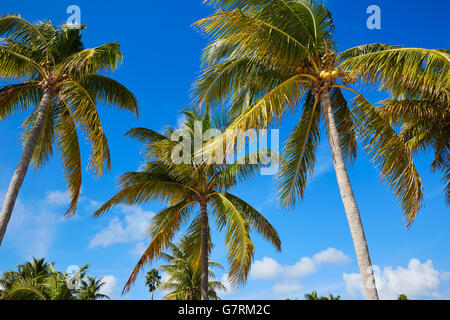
(183, 187)
(268, 57)
(60, 81)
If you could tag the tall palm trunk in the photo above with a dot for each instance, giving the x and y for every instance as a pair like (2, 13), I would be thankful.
(22, 167)
(348, 199)
(204, 251)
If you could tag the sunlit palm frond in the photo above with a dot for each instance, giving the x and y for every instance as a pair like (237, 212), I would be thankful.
(242, 28)
(256, 220)
(84, 111)
(390, 153)
(298, 157)
(19, 97)
(240, 251)
(404, 70)
(164, 226)
(17, 29)
(110, 91)
(90, 61)
(69, 148)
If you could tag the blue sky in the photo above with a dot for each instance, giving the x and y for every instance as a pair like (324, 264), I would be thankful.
(162, 54)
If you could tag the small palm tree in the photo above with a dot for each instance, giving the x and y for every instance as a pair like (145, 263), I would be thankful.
(36, 270)
(185, 186)
(152, 280)
(91, 289)
(402, 297)
(60, 81)
(45, 286)
(313, 296)
(184, 282)
(270, 58)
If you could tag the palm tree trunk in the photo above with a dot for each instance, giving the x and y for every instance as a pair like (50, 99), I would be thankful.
(22, 167)
(152, 294)
(348, 199)
(204, 251)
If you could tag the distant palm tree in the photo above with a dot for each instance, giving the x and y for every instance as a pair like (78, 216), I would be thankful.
(313, 296)
(45, 286)
(60, 82)
(184, 282)
(186, 186)
(38, 280)
(91, 289)
(402, 297)
(36, 269)
(270, 58)
(152, 280)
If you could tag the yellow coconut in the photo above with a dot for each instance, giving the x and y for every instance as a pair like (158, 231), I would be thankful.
(327, 75)
(335, 73)
(322, 74)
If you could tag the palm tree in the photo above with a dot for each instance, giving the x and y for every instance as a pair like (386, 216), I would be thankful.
(91, 289)
(152, 280)
(38, 280)
(184, 281)
(313, 296)
(31, 282)
(36, 269)
(185, 186)
(267, 57)
(402, 297)
(59, 79)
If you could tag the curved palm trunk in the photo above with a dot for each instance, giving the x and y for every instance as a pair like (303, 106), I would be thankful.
(348, 199)
(22, 167)
(204, 251)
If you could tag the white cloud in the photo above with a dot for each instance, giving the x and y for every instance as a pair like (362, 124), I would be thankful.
(284, 288)
(267, 268)
(331, 256)
(418, 280)
(109, 286)
(57, 198)
(133, 227)
(302, 268)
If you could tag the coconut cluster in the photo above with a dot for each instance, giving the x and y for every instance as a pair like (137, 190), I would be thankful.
(330, 74)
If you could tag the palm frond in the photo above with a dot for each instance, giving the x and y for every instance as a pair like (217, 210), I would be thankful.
(164, 226)
(389, 151)
(298, 157)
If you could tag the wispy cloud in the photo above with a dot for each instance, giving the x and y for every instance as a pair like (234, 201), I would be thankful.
(131, 228)
(57, 198)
